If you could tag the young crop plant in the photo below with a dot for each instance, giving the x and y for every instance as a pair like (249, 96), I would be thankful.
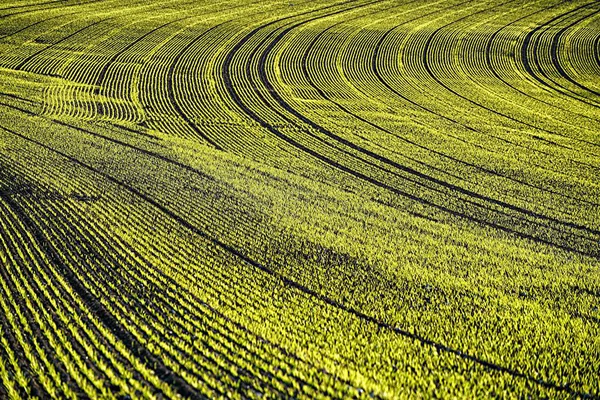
(308, 199)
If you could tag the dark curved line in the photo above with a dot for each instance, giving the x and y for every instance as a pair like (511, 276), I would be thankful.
(37, 389)
(47, 8)
(362, 177)
(556, 59)
(157, 155)
(397, 93)
(41, 298)
(400, 95)
(102, 74)
(66, 298)
(597, 50)
(380, 78)
(389, 162)
(425, 60)
(34, 24)
(235, 97)
(198, 307)
(173, 100)
(263, 383)
(376, 126)
(32, 56)
(126, 286)
(497, 75)
(124, 291)
(31, 5)
(20, 66)
(88, 236)
(295, 285)
(100, 311)
(525, 57)
(387, 85)
(558, 86)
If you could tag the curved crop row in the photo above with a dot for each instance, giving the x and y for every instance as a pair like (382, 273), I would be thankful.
(299, 199)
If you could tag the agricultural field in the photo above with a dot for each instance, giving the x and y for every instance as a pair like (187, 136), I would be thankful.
(299, 199)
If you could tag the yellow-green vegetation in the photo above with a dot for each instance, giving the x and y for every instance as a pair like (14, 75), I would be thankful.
(299, 199)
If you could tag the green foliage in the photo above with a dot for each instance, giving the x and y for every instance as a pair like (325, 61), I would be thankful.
(311, 200)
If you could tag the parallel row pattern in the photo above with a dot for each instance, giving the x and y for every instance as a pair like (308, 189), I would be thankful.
(299, 199)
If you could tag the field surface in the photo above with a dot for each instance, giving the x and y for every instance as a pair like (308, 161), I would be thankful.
(299, 199)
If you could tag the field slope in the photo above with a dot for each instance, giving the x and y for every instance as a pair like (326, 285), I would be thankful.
(299, 199)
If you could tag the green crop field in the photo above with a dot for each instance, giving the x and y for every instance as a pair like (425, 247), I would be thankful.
(299, 199)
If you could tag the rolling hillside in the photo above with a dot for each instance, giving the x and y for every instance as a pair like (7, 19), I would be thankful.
(299, 199)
